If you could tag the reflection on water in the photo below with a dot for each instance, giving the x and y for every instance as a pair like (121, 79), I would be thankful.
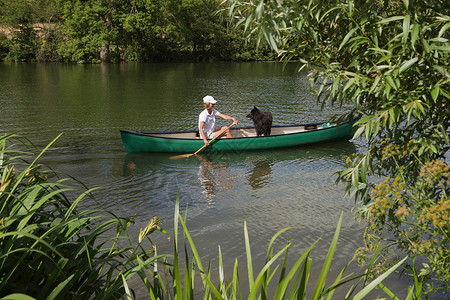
(259, 174)
(214, 176)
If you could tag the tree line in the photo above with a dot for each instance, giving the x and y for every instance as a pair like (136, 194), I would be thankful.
(121, 30)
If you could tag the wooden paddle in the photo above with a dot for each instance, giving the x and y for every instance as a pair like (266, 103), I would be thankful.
(195, 153)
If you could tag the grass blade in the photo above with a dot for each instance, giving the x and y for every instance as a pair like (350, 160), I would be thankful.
(361, 294)
(326, 266)
(18, 296)
(249, 258)
(176, 266)
(285, 284)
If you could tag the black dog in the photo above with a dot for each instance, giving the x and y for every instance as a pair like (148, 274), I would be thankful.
(262, 121)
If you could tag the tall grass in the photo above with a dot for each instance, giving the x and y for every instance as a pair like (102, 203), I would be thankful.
(285, 282)
(48, 249)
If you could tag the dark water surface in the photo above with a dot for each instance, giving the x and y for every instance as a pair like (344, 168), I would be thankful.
(270, 190)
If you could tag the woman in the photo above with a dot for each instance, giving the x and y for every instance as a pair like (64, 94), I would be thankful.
(207, 120)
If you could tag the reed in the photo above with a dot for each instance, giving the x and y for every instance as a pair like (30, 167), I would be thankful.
(49, 249)
(287, 282)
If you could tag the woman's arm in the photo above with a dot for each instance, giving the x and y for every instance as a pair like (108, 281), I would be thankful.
(202, 133)
(227, 118)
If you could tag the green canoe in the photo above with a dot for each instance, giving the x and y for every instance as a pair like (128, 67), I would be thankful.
(244, 139)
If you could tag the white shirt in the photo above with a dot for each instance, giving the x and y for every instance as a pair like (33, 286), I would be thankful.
(209, 119)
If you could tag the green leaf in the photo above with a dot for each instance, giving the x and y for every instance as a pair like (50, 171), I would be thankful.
(259, 10)
(442, 70)
(406, 23)
(366, 290)
(127, 289)
(359, 132)
(440, 48)
(257, 284)
(414, 34)
(392, 117)
(247, 22)
(347, 36)
(375, 83)
(269, 37)
(176, 266)
(326, 266)
(249, 257)
(444, 29)
(351, 5)
(391, 19)
(435, 92)
(18, 296)
(426, 45)
(433, 148)
(420, 107)
(406, 3)
(283, 285)
(388, 291)
(349, 84)
(391, 82)
(335, 86)
(439, 40)
(408, 64)
(364, 120)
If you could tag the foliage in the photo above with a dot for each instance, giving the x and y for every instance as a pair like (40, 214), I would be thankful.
(29, 40)
(4, 45)
(390, 59)
(116, 30)
(416, 217)
(88, 27)
(49, 249)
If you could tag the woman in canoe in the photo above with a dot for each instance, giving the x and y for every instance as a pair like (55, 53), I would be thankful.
(207, 120)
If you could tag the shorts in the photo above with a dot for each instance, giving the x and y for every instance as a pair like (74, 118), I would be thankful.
(210, 134)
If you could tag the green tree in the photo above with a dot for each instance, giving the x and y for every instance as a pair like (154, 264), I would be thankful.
(139, 30)
(390, 59)
(31, 39)
(203, 30)
(142, 30)
(87, 28)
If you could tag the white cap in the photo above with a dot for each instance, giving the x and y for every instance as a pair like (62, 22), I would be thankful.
(209, 99)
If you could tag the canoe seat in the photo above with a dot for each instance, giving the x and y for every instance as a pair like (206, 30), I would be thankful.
(241, 132)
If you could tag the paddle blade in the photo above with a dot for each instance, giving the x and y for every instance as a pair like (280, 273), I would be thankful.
(181, 156)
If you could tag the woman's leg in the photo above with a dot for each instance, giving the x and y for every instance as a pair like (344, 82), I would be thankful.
(227, 133)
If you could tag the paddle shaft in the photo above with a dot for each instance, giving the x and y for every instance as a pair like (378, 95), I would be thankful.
(188, 155)
(218, 135)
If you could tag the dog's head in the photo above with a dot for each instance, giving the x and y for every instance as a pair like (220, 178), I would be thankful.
(254, 113)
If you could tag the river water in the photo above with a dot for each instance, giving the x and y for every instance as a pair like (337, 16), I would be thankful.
(269, 190)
